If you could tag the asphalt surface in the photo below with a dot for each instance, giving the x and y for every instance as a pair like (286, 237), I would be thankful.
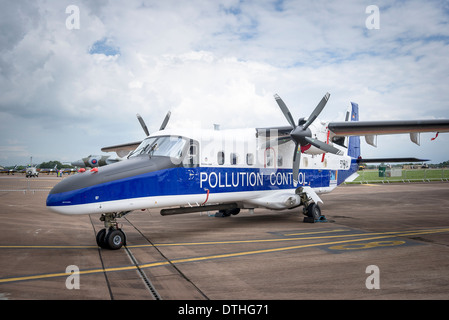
(394, 237)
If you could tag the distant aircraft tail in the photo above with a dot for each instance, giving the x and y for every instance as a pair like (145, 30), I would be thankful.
(354, 141)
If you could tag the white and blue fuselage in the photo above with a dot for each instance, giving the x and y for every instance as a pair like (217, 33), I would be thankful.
(190, 168)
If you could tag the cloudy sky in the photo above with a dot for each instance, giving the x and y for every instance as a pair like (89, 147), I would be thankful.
(70, 86)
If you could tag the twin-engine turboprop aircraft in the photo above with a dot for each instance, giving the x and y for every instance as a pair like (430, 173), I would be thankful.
(183, 171)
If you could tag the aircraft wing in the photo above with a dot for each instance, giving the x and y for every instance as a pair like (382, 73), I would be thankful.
(390, 160)
(364, 128)
(122, 149)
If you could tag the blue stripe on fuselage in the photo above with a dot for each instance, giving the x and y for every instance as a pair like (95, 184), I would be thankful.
(344, 174)
(183, 181)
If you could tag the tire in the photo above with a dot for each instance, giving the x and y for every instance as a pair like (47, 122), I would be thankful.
(115, 239)
(101, 235)
(235, 211)
(314, 211)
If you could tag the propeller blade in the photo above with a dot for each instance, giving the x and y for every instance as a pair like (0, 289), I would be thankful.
(323, 146)
(164, 123)
(296, 163)
(142, 123)
(285, 111)
(317, 110)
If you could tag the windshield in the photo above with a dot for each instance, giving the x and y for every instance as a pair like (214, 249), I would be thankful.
(161, 146)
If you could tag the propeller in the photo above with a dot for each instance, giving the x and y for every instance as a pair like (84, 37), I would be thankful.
(302, 135)
(164, 123)
(144, 126)
(142, 123)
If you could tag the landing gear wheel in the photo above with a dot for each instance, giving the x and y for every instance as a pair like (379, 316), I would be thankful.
(222, 214)
(101, 235)
(112, 237)
(115, 239)
(235, 211)
(227, 212)
(314, 211)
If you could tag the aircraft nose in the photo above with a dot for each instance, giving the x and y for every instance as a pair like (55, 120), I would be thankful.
(69, 192)
(101, 189)
(56, 203)
(81, 192)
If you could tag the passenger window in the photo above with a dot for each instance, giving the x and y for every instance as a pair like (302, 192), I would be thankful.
(280, 161)
(269, 158)
(220, 157)
(249, 159)
(234, 158)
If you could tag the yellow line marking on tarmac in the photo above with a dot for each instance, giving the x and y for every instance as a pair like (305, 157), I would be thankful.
(367, 245)
(316, 232)
(220, 256)
(64, 274)
(392, 233)
(48, 247)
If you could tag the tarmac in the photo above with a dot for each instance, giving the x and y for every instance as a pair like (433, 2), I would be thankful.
(380, 242)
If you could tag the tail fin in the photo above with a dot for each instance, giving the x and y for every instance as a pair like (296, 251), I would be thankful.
(354, 142)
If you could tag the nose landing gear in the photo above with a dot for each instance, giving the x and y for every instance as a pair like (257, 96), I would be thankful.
(111, 237)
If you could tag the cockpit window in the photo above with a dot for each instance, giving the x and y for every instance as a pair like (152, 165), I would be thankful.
(167, 146)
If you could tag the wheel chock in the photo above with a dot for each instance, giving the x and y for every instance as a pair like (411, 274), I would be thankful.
(312, 220)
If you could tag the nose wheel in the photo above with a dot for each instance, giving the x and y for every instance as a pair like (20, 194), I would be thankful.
(111, 237)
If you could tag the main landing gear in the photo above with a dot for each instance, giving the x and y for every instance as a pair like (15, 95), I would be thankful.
(311, 209)
(227, 212)
(111, 237)
(313, 214)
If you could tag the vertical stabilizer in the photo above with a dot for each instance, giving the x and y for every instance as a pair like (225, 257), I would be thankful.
(354, 142)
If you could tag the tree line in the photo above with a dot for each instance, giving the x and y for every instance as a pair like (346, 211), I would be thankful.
(46, 165)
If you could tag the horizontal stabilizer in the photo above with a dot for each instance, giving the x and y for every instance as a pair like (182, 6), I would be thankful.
(388, 160)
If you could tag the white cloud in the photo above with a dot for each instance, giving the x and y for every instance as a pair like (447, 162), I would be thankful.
(210, 62)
